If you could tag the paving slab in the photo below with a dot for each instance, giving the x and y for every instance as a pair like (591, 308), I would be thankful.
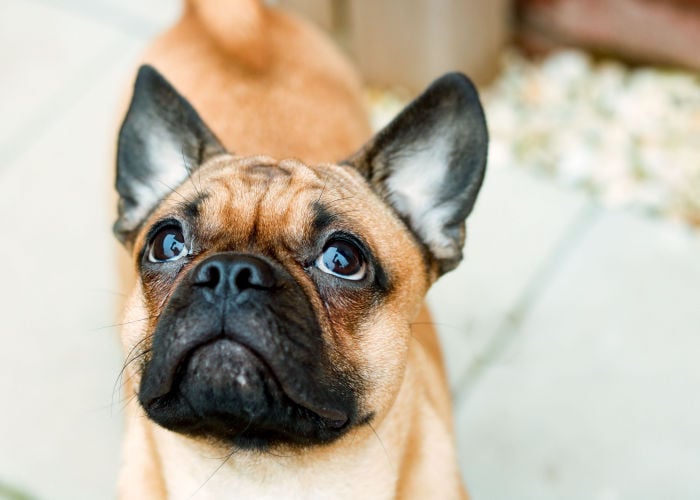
(45, 53)
(61, 429)
(597, 394)
(519, 221)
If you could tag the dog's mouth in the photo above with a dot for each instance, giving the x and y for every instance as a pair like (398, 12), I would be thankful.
(231, 392)
(250, 369)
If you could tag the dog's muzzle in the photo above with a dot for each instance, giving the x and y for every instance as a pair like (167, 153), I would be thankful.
(239, 355)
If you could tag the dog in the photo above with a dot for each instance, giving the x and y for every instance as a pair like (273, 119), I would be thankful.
(277, 342)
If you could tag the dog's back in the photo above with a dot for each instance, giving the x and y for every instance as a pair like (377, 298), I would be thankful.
(264, 80)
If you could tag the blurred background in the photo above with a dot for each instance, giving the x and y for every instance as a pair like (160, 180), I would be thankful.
(572, 329)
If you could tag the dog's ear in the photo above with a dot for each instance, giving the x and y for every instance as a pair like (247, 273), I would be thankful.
(161, 141)
(429, 163)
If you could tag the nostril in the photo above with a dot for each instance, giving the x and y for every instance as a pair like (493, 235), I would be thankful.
(252, 274)
(208, 276)
(242, 279)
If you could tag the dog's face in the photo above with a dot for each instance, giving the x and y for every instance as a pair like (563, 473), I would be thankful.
(278, 296)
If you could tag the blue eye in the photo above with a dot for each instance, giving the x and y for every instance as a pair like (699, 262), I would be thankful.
(168, 245)
(342, 259)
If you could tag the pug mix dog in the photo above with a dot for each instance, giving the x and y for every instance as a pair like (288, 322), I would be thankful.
(272, 335)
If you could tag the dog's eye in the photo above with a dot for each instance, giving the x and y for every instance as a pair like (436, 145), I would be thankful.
(343, 259)
(168, 244)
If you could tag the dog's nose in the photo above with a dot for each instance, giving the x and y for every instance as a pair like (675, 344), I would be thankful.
(235, 272)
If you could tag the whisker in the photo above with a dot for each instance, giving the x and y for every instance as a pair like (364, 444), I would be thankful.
(233, 452)
(119, 382)
(322, 191)
(130, 358)
(223, 462)
(173, 190)
(386, 453)
(124, 403)
(115, 325)
(341, 199)
(277, 455)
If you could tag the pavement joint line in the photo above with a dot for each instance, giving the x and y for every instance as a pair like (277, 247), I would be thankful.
(509, 327)
(58, 105)
(107, 15)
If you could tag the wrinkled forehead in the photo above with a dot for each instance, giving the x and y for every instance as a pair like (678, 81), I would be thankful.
(258, 198)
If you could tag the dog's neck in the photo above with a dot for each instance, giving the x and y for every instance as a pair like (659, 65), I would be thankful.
(338, 473)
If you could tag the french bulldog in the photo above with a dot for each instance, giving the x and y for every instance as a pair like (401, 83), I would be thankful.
(277, 342)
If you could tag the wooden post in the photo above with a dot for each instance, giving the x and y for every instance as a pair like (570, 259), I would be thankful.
(411, 42)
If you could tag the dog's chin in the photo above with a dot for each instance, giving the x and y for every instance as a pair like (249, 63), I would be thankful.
(226, 392)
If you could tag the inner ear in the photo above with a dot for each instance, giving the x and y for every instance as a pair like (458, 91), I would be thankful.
(429, 164)
(161, 141)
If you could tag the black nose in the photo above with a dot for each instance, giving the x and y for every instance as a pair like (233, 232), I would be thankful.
(234, 272)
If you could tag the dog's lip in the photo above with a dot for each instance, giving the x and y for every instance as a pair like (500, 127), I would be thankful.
(333, 417)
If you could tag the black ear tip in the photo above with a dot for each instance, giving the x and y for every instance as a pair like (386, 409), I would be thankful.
(149, 79)
(458, 83)
(146, 71)
(457, 78)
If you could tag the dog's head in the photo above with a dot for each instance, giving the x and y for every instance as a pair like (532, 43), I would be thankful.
(274, 299)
